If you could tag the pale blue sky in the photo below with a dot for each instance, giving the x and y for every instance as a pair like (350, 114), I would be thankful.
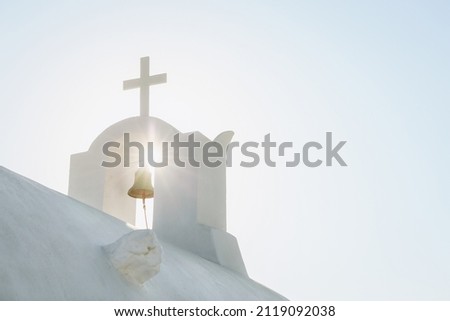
(375, 73)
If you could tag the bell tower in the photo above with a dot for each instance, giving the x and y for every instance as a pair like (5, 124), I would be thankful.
(189, 202)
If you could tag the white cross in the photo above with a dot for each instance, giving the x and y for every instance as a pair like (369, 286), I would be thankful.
(144, 83)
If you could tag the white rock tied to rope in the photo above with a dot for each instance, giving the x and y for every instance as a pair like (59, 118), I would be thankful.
(137, 255)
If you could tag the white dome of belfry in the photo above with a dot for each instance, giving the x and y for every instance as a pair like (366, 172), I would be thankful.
(140, 128)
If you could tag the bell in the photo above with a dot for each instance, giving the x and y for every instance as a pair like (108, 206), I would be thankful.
(142, 187)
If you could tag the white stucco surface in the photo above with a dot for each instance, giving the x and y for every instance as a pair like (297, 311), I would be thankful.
(52, 248)
(189, 208)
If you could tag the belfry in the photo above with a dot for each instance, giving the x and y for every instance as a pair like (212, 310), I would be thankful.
(189, 208)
